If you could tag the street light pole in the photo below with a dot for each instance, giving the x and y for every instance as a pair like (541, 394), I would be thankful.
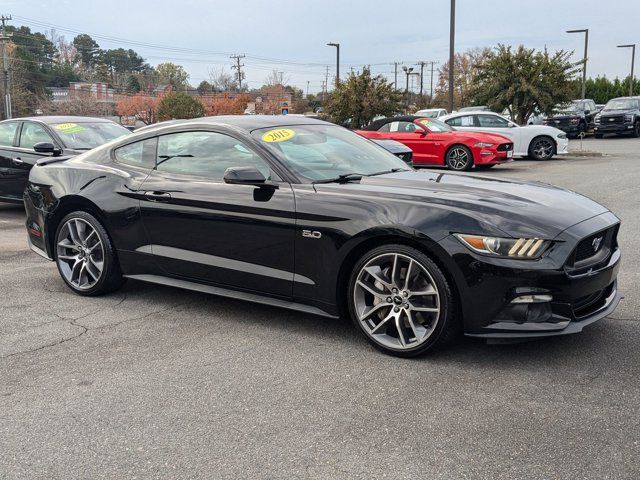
(584, 59)
(452, 34)
(632, 46)
(337, 45)
(407, 71)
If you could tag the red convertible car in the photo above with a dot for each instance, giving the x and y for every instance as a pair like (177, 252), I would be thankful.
(436, 143)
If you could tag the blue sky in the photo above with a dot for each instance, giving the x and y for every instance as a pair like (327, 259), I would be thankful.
(290, 35)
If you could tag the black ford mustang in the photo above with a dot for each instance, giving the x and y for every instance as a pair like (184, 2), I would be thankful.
(303, 214)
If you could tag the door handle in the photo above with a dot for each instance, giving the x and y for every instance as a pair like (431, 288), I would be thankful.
(17, 161)
(157, 196)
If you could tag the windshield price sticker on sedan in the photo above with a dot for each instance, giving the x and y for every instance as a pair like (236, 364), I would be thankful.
(69, 128)
(278, 135)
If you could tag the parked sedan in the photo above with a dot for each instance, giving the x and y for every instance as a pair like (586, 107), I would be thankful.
(435, 143)
(302, 214)
(24, 141)
(431, 112)
(575, 118)
(539, 142)
(400, 150)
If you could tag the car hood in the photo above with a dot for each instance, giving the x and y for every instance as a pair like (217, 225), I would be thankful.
(517, 208)
(617, 111)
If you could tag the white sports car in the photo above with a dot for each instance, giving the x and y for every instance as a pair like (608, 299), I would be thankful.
(539, 142)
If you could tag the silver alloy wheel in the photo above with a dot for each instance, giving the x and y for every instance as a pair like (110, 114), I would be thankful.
(80, 254)
(396, 301)
(543, 148)
(457, 158)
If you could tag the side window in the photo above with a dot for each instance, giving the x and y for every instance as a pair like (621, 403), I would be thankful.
(33, 133)
(463, 121)
(139, 154)
(401, 127)
(8, 133)
(205, 154)
(386, 127)
(492, 121)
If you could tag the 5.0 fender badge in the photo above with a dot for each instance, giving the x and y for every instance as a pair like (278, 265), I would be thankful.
(311, 234)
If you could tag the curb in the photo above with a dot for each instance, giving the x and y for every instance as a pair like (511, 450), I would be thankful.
(584, 153)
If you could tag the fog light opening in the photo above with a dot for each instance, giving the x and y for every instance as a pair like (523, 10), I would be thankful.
(535, 298)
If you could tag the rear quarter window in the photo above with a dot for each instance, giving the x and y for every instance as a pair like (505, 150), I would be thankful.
(138, 154)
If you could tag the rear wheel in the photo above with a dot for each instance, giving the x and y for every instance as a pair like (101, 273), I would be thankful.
(85, 256)
(401, 301)
(459, 158)
(542, 148)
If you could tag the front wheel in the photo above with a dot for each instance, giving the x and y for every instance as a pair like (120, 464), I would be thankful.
(542, 148)
(85, 256)
(401, 301)
(459, 158)
(636, 129)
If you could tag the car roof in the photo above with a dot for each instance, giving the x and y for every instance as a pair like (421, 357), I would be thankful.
(63, 119)
(470, 112)
(376, 124)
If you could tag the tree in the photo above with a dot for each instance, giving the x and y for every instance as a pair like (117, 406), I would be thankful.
(142, 107)
(465, 71)
(222, 81)
(524, 80)
(87, 50)
(173, 75)
(204, 88)
(361, 97)
(225, 105)
(179, 105)
(133, 85)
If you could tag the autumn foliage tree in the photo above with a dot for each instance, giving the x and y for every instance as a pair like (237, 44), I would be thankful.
(225, 105)
(142, 107)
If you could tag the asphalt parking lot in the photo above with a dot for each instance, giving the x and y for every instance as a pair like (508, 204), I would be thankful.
(154, 382)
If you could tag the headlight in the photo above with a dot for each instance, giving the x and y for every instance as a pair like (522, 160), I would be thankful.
(596, 119)
(483, 145)
(628, 118)
(573, 121)
(522, 248)
(562, 135)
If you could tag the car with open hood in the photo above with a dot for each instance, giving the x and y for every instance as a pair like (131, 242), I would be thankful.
(302, 214)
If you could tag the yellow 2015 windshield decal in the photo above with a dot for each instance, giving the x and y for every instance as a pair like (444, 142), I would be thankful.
(278, 135)
(69, 128)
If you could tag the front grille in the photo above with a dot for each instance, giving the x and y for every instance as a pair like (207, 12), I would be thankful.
(505, 147)
(593, 251)
(611, 119)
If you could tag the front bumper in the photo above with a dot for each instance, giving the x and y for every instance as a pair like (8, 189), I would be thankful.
(488, 286)
(562, 146)
(613, 128)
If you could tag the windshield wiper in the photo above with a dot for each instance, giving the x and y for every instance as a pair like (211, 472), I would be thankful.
(393, 170)
(344, 178)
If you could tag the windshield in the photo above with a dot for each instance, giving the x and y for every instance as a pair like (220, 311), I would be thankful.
(569, 107)
(621, 104)
(435, 125)
(88, 135)
(323, 152)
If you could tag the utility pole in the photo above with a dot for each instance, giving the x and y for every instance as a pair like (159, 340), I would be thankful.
(326, 78)
(307, 95)
(431, 88)
(395, 75)
(584, 59)
(281, 76)
(452, 37)
(422, 64)
(337, 45)
(238, 66)
(632, 46)
(4, 38)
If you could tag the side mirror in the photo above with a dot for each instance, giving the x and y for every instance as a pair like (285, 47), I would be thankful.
(587, 111)
(420, 131)
(246, 176)
(47, 147)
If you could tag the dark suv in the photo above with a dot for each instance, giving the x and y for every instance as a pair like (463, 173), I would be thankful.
(619, 115)
(575, 119)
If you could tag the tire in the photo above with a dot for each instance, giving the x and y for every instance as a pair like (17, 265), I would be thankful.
(542, 148)
(485, 166)
(597, 135)
(85, 256)
(636, 129)
(459, 158)
(377, 310)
